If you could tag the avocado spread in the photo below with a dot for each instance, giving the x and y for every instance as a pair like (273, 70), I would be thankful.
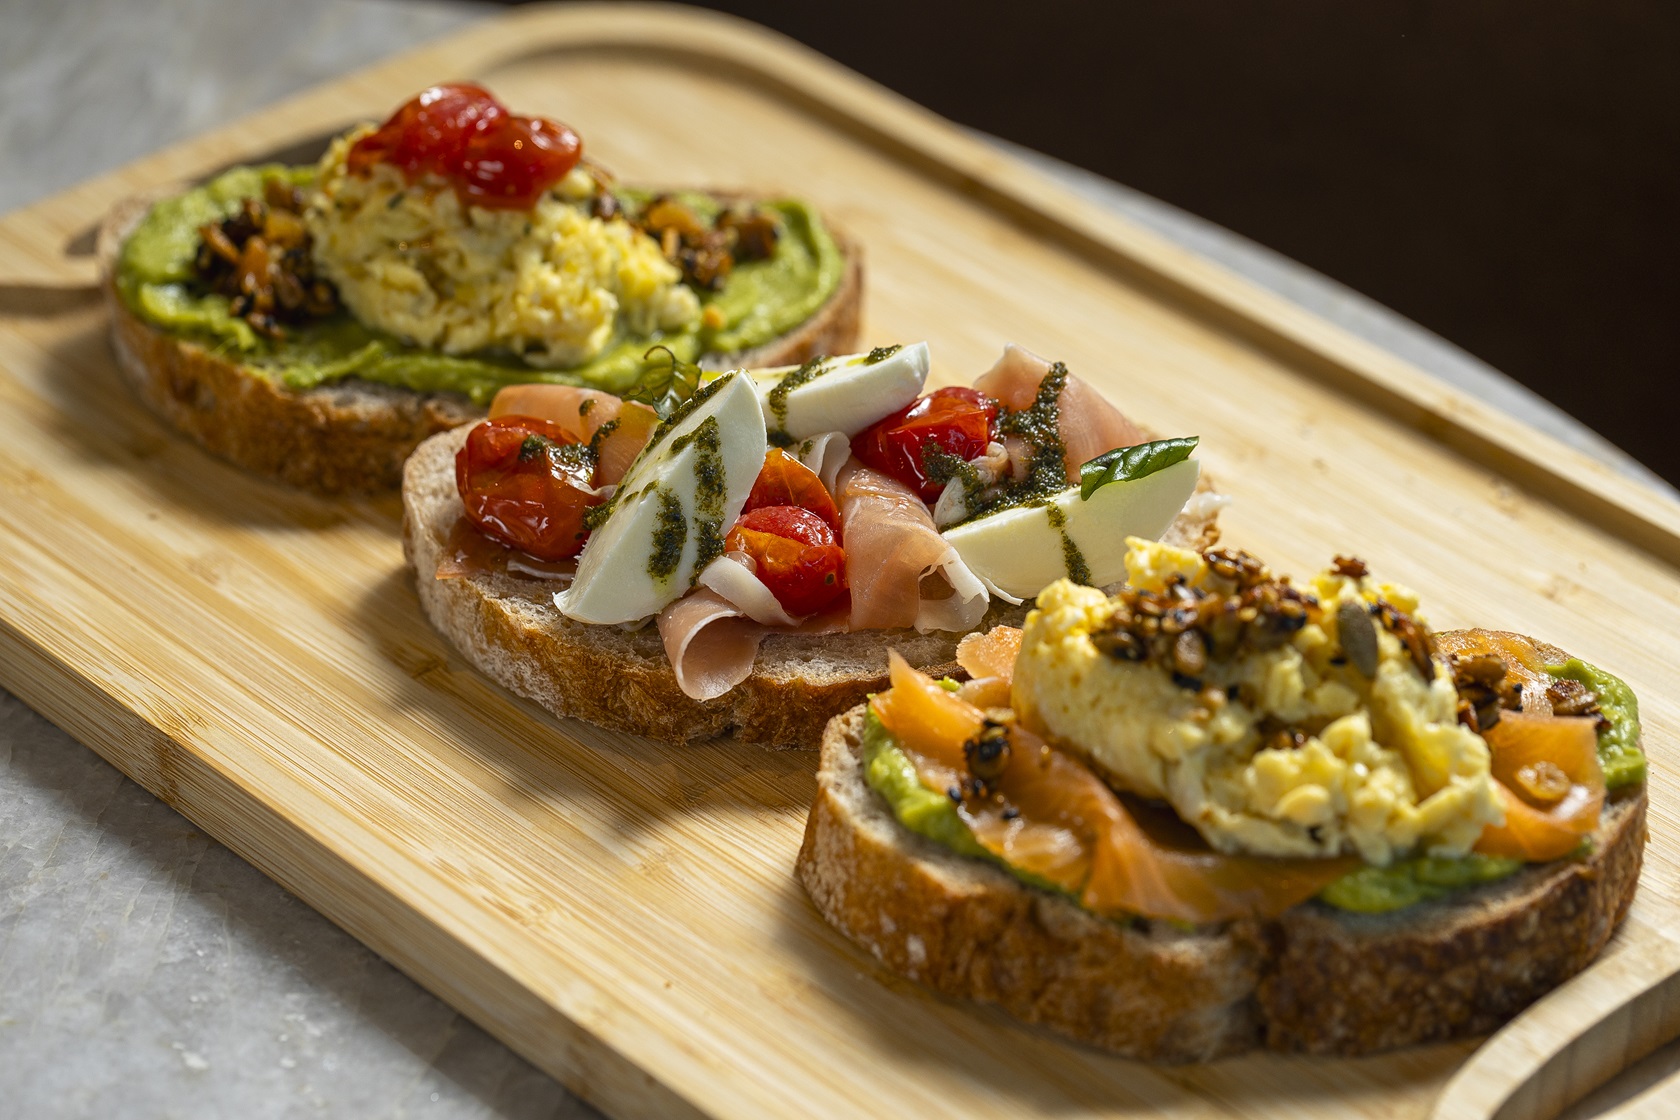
(1370, 890)
(1618, 744)
(760, 301)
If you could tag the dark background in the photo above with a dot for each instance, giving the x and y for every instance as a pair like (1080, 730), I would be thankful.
(1505, 172)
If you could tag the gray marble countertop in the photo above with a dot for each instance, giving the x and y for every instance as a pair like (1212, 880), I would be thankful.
(144, 969)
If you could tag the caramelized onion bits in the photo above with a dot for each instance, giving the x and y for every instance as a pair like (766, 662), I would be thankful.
(707, 254)
(1047, 814)
(260, 259)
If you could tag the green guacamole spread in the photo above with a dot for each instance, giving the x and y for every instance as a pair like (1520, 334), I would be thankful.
(1370, 890)
(1618, 744)
(760, 301)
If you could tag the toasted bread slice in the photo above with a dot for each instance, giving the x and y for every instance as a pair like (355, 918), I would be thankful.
(1318, 980)
(509, 628)
(352, 436)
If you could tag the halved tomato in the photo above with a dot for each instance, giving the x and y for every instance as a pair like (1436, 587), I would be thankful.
(794, 554)
(785, 481)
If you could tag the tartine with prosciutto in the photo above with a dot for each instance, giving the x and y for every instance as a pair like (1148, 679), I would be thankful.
(735, 552)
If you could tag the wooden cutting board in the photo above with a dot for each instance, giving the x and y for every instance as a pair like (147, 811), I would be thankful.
(625, 914)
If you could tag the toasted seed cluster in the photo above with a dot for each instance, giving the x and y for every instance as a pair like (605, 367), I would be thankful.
(260, 259)
(1240, 608)
(707, 255)
(1484, 689)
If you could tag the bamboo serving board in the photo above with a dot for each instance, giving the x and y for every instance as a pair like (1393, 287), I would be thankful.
(625, 914)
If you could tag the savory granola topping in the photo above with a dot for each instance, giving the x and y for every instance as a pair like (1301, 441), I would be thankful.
(260, 259)
(707, 255)
(1241, 607)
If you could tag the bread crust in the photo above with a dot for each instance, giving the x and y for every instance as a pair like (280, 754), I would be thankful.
(1317, 980)
(508, 627)
(352, 436)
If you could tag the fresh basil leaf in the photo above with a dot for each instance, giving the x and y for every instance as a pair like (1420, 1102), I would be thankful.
(666, 381)
(1126, 464)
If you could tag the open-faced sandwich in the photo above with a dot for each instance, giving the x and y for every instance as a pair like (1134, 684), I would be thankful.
(316, 323)
(1216, 811)
(738, 552)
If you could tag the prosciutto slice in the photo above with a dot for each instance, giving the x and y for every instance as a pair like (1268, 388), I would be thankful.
(710, 642)
(901, 571)
(826, 454)
(1088, 424)
(731, 576)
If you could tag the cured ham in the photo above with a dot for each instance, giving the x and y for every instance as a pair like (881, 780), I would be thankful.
(710, 642)
(894, 552)
(1088, 424)
(582, 412)
(731, 577)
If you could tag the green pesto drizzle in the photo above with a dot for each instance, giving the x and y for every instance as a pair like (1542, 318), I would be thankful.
(1037, 425)
(881, 354)
(705, 393)
(601, 434)
(568, 454)
(586, 407)
(778, 395)
(1072, 559)
(942, 466)
(668, 538)
(710, 488)
(598, 515)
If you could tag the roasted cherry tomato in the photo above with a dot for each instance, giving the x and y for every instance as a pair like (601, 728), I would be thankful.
(955, 421)
(510, 164)
(796, 556)
(429, 132)
(527, 483)
(785, 481)
(460, 132)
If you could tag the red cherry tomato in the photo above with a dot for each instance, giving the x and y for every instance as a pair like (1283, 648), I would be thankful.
(785, 481)
(796, 556)
(957, 421)
(522, 487)
(429, 132)
(460, 132)
(512, 163)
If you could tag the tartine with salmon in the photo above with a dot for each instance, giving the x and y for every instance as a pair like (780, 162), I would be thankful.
(1215, 811)
(736, 552)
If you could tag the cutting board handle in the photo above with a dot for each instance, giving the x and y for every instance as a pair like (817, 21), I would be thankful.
(1572, 1041)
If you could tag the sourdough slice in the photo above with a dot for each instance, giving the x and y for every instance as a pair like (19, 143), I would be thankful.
(1318, 980)
(352, 436)
(618, 678)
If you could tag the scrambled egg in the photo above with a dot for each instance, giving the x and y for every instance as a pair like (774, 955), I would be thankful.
(1384, 769)
(553, 284)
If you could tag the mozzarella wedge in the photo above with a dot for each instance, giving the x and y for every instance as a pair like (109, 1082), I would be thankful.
(675, 504)
(1019, 552)
(844, 394)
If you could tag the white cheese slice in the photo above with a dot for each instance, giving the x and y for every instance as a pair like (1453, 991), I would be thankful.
(682, 494)
(1021, 551)
(844, 394)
